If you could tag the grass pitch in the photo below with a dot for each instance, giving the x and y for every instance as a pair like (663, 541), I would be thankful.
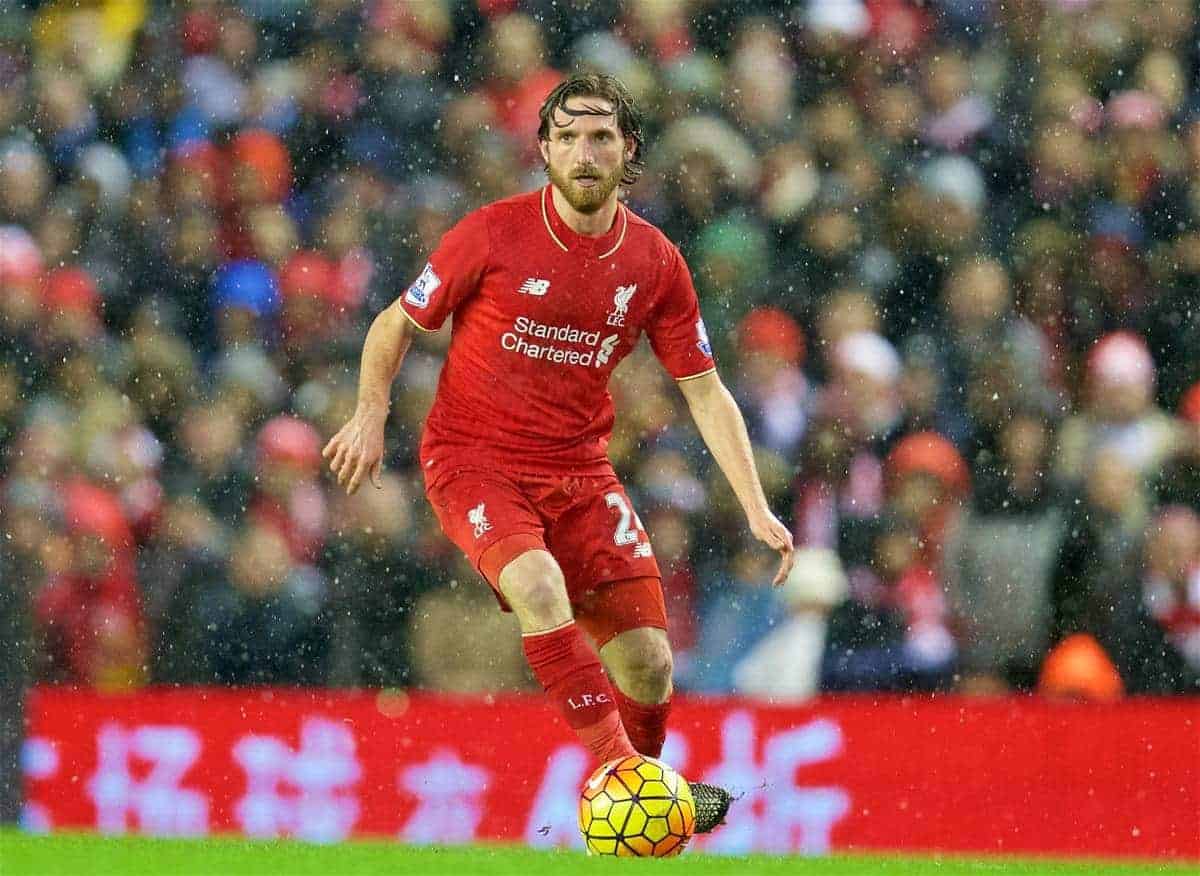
(76, 854)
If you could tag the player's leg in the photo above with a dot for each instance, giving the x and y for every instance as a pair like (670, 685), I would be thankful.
(559, 655)
(616, 591)
(639, 659)
(492, 519)
(533, 585)
(627, 621)
(639, 662)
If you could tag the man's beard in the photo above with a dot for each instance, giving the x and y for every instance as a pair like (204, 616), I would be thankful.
(582, 198)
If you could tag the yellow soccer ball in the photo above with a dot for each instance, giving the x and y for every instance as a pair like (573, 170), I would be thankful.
(636, 807)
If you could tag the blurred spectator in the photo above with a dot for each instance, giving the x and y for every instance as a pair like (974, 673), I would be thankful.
(258, 619)
(288, 497)
(771, 388)
(89, 615)
(1148, 628)
(184, 554)
(376, 580)
(1002, 558)
(24, 181)
(862, 394)
(786, 663)
(1119, 413)
(892, 632)
(1171, 595)
(739, 608)
(1096, 584)
(927, 394)
(674, 547)
(928, 483)
(520, 79)
(209, 463)
(1178, 483)
(985, 344)
(245, 300)
(483, 655)
(20, 282)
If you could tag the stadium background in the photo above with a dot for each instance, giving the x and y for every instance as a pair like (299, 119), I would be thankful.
(948, 253)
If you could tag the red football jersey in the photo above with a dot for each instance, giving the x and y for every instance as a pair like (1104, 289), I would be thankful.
(542, 316)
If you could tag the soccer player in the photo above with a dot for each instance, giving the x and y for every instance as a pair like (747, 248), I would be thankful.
(549, 291)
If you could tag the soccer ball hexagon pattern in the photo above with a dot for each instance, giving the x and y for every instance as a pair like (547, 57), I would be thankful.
(636, 807)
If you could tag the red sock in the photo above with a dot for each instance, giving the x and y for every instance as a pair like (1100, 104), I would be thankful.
(573, 678)
(645, 724)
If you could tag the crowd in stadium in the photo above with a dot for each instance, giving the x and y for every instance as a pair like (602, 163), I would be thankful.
(948, 253)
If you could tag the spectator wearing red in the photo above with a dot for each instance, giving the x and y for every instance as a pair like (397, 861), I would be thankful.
(259, 173)
(306, 284)
(289, 498)
(927, 482)
(673, 542)
(260, 168)
(771, 387)
(90, 615)
(320, 294)
(520, 79)
(659, 29)
(71, 306)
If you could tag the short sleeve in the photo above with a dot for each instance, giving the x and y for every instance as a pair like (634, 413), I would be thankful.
(676, 329)
(451, 275)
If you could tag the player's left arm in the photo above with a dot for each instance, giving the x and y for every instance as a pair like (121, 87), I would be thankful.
(724, 431)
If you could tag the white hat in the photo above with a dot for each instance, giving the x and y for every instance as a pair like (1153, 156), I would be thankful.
(817, 579)
(870, 354)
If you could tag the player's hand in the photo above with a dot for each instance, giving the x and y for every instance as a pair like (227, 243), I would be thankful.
(767, 529)
(356, 450)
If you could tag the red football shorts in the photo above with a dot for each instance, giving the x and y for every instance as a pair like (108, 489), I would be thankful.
(586, 523)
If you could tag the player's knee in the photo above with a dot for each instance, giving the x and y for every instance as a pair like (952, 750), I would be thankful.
(533, 585)
(656, 664)
(648, 671)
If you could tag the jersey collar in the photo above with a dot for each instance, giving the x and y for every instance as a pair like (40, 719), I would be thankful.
(570, 241)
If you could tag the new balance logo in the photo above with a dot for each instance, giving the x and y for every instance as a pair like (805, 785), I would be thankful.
(477, 517)
(643, 550)
(534, 286)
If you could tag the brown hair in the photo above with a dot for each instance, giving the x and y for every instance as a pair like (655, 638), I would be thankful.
(605, 87)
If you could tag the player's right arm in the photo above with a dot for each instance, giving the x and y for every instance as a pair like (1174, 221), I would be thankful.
(357, 448)
(451, 275)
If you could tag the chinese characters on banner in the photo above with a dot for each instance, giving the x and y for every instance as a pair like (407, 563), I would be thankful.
(1003, 776)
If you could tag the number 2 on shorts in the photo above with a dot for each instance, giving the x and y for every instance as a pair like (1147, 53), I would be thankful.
(624, 534)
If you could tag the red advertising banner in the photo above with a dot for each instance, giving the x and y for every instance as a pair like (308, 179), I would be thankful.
(1005, 776)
